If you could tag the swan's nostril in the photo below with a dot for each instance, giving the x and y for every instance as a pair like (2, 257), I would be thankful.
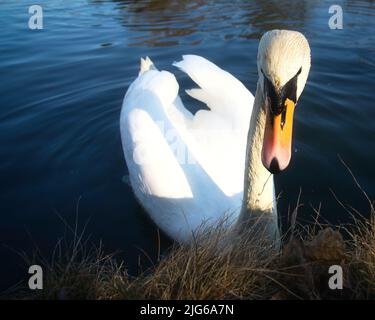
(274, 166)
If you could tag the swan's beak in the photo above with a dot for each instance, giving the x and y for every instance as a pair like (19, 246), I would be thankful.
(277, 140)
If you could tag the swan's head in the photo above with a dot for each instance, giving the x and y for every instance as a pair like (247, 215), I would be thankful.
(283, 67)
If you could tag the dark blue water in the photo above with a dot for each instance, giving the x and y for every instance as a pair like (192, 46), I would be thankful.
(62, 87)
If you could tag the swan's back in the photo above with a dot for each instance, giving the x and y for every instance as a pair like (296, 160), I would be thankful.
(186, 170)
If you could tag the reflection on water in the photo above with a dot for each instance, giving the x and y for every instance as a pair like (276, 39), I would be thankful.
(62, 89)
(169, 23)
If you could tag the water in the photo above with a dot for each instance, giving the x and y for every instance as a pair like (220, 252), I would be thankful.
(61, 91)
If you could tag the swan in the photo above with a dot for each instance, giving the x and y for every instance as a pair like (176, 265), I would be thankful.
(191, 169)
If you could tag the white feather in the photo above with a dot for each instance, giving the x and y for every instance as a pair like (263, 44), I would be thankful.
(186, 170)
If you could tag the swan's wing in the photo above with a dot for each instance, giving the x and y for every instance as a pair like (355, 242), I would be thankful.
(146, 131)
(224, 94)
(220, 132)
(183, 164)
(174, 189)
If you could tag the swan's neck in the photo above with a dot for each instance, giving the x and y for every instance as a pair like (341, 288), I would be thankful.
(258, 199)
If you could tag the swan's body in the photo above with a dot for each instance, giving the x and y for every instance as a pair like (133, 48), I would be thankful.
(199, 175)
(187, 170)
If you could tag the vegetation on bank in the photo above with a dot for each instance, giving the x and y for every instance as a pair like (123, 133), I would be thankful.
(212, 267)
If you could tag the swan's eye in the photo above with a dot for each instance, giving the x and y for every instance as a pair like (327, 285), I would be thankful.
(276, 98)
(290, 88)
(273, 96)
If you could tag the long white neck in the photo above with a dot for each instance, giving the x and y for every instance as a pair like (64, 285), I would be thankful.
(258, 199)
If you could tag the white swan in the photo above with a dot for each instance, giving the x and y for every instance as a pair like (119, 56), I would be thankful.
(188, 169)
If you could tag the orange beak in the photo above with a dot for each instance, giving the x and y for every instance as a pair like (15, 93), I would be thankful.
(277, 141)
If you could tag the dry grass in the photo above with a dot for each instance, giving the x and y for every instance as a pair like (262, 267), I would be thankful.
(361, 259)
(77, 269)
(212, 267)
